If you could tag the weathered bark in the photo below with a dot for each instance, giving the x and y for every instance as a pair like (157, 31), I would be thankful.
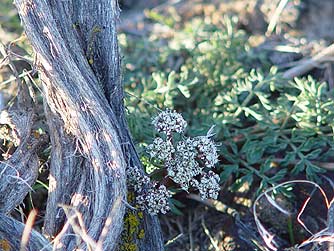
(11, 229)
(79, 65)
(20, 171)
(74, 95)
(100, 40)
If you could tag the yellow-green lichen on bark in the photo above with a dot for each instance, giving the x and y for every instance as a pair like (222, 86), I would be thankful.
(132, 229)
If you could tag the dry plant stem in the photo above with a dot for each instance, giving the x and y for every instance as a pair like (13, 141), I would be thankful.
(27, 230)
(102, 48)
(20, 171)
(74, 96)
(214, 242)
(79, 67)
(274, 20)
(309, 64)
(171, 241)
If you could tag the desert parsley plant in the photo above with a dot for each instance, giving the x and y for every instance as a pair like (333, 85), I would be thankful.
(186, 161)
(270, 128)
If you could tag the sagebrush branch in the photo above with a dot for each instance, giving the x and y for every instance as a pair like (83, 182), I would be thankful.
(309, 64)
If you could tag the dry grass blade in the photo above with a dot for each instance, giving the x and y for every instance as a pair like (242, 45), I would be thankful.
(276, 205)
(275, 18)
(28, 229)
(214, 242)
(171, 241)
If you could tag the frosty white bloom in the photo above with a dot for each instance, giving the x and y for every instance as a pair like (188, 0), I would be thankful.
(182, 171)
(186, 161)
(184, 165)
(155, 200)
(185, 149)
(209, 187)
(137, 179)
(150, 197)
(169, 121)
(161, 149)
(207, 151)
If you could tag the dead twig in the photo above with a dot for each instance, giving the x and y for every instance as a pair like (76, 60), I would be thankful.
(207, 232)
(307, 65)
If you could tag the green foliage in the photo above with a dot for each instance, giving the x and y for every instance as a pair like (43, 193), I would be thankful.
(268, 127)
(9, 18)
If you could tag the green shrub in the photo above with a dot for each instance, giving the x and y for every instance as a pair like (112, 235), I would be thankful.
(268, 127)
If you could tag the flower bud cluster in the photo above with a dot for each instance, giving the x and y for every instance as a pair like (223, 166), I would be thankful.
(209, 186)
(168, 122)
(150, 196)
(207, 151)
(161, 149)
(188, 161)
(155, 200)
(137, 179)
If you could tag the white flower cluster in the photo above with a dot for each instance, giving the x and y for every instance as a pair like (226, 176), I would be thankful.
(137, 180)
(209, 186)
(169, 121)
(155, 200)
(150, 196)
(207, 151)
(187, 160)
(161, 149)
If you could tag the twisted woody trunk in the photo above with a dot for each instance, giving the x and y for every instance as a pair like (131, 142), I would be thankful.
(79, 65)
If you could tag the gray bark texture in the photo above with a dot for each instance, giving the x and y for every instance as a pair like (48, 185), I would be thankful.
(79, 66)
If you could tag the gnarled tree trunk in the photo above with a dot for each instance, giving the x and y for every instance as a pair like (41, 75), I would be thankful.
(79, 66)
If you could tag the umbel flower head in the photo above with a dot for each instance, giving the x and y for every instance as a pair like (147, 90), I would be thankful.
(206, 150)
(209, 187)
(161, 149)
(188, 162)
(169, 121)
(155, 200)
(188, 159)
(150, 196)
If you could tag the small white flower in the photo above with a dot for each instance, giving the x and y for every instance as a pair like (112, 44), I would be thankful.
(183, 171)
(209, 187)
(161, 149)
(207, 151)
(155, 200)
(137, 179)
(185, 149)
(169, 121)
